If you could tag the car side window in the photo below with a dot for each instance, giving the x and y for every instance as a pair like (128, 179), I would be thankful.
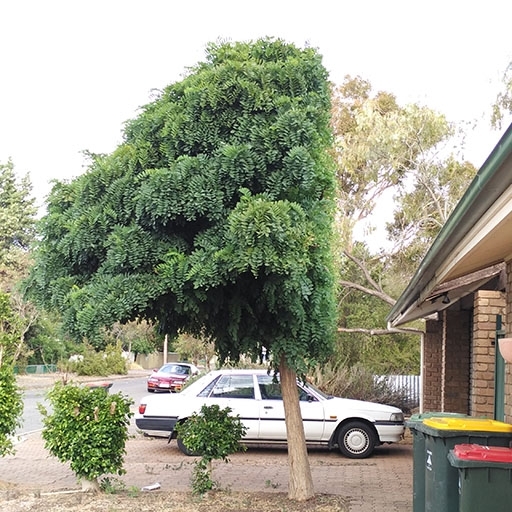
(269, 389)
(234, 386)
(208, 389)
(304, 396)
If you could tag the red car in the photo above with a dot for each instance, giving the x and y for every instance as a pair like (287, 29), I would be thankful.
(171, 377)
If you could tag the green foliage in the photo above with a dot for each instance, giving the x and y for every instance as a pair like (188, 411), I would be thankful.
(10, 331)
(214, 216)
(139, 336)
(213, 434)
(424, 209)
(108, 362)
(87, 428)
(17, 213)
(46, 342)
(502, 107)
(364, 312)
(11, 407)
(190, 348)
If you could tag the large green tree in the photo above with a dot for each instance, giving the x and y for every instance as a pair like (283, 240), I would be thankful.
(17, 213)
(214, 217)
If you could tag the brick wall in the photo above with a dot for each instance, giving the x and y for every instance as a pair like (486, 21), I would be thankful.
(446, 364)
(432, 366)
(456, 360)
(487, 305)
(508, 330)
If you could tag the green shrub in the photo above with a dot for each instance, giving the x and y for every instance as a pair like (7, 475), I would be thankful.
(110, 362)
(213, 434)
(11, 407)
(87, 428)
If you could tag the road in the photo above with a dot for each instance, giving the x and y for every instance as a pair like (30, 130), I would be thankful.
(135, 388)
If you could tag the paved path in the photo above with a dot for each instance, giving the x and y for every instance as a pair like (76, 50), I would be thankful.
(382, 483)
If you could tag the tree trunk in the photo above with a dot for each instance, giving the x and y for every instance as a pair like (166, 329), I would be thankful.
(90, 485)
(300, 486)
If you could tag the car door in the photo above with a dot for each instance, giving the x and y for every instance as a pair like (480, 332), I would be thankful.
(272, 421)
(236, 391)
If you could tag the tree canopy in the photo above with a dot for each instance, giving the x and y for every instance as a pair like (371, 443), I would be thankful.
(214, 216)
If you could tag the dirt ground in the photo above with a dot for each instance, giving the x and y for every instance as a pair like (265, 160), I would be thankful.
(16, 500)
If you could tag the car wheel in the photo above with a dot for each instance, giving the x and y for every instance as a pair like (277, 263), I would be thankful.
(356, 440)
(184, 449)
(151, 390)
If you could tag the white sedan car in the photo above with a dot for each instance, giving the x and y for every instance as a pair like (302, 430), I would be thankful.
(355, 427)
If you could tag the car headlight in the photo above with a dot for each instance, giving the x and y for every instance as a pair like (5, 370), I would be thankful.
(397, 416)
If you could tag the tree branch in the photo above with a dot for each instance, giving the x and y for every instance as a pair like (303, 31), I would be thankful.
(377, 332)
(365, 271)
(376, 293)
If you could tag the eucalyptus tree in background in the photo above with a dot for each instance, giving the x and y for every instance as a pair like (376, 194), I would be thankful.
(502, 106)
(407, 158)
(214, 217)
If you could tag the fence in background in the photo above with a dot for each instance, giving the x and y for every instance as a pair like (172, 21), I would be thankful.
(408, 386)
(36, 368)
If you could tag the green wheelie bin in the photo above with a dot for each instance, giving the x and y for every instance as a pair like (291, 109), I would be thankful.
(441, 436)
(418, 450)
(485, 477)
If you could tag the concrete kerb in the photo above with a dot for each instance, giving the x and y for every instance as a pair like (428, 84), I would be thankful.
(47, 380)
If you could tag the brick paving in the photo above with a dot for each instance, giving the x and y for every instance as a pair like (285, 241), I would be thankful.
(381, 483)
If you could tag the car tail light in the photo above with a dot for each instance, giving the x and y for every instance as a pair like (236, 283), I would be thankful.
(142, 408)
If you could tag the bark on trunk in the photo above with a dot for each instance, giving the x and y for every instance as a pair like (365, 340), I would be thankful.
(90, 485)
(300, 486)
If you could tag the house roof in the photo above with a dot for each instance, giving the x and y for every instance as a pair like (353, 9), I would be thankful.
(475, 240)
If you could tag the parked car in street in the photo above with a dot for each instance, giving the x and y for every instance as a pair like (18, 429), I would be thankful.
(354, 427)
(171, 377)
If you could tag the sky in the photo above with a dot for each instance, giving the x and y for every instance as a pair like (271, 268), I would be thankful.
(74, 71)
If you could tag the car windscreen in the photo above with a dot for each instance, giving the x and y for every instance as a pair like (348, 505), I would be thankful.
(176, 368)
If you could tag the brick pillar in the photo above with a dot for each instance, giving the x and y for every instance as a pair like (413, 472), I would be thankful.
(508, 330)
(432, 366)
(487, 305)
(456, 351)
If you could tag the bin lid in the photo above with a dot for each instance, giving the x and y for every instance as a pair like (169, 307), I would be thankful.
(424, 415)
(478, 452)
(470, 424)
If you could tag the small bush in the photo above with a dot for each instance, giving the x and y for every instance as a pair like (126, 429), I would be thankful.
(11, 407)
(87, 428)
(214, 434)
(110, 362)
(359, 383)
